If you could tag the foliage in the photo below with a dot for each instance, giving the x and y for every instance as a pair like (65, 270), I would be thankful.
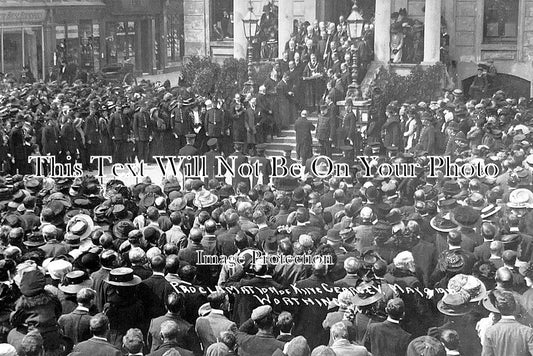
(367, 8)
(231, 79)
(210, 79)
(262, 73)
(421, 85)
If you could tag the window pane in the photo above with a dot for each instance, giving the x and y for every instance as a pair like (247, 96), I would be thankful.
(12, 51)
(221, 19)
(501, 21)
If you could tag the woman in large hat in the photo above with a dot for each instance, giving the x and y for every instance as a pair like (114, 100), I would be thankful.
(123, 308)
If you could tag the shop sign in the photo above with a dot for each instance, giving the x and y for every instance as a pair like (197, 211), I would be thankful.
(22, 16)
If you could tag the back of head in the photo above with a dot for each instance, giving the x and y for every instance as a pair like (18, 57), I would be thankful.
(210, 226)
(509, 257)
(488, 231)
(506, 303)
(455, 238)
(187, 273)
(99, 324)
(172, 264)
(339, 331)
(297, 347)
(504, 277)
(109, 258)
(169, 330)
(175, 218)
(352, 265)
(174, 302)
(496, 247)
(85, 296)
(195, 235)
(323, 350)
(157, 263)
(133, 341)
(229, 339)
(285, 322)
(395, 308)
(136, 255)
(152, 213)
(32, 344)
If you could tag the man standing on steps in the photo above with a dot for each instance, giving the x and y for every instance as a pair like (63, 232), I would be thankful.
(304, 140)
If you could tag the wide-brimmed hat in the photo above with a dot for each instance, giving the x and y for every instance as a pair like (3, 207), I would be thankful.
(366, 295)
(205, 199)
(451, 188)
(333, 235)
(177, 204)
(75, 281)
(465, 216)
(123, 277)
(456, 304)
(468, 284)
(520, 198)
(34, 240)
(442, 223)
(81, 226)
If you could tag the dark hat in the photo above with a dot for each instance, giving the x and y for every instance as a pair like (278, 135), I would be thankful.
(454, 262)
(35, 240)
(298, 194)
(75, 281)
(333, 235)
(451, 188)
(456, 304)
(366, 295)
(511, 239)
(122, 228)
(32, 283)
(123, 277)
(465, 216)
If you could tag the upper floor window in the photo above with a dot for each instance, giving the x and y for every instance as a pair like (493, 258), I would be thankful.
(500, 21)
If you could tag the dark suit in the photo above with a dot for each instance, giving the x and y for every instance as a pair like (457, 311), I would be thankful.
(214, 122)
(304, 140)
(260, 344)
(226, 241)
(387, 339)
(100, 286)
(308, 318)
(153, 292)
(95, 347)
(75, 325)
(142, 132)
(482, 252)
(54, 248)
(186, 339)
(119, 131)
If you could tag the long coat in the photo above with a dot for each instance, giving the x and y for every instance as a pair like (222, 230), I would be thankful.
(214, 122)
(249, 123)
(50, 141)
(142, 127)
(391, 133)
(304, 140)
(427, 140)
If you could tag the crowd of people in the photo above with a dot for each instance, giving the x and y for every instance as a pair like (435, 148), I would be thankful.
(422, 264)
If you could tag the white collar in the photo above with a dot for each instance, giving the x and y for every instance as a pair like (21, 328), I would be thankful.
(82, 308)
(450, 247)
(217, 311)
(508, 317)
(158, 274)
(100, 338)
(389, 319)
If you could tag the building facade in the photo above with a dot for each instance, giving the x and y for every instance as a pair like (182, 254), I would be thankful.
(42, 34)
(479, 30)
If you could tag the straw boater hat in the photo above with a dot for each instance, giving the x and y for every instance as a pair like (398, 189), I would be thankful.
(123, 277)
(366, 295)
(490, 210)
(442, 223)
(75, 281)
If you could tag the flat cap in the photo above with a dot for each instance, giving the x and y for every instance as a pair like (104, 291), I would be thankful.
(261, 312)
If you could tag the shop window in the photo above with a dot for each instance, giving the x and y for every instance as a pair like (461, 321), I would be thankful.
(500, 21)
(221, 20)
(120, 42)
(174, 37)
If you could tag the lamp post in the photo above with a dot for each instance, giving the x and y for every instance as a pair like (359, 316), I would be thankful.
(355, 30)
(249, 21)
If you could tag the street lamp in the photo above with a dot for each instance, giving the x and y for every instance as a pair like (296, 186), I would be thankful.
(250, 21)
(355, 30)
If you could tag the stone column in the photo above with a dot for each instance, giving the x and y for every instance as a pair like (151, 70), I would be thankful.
(382, 31)
(286, 16)
(432, 32)
(240, 43)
